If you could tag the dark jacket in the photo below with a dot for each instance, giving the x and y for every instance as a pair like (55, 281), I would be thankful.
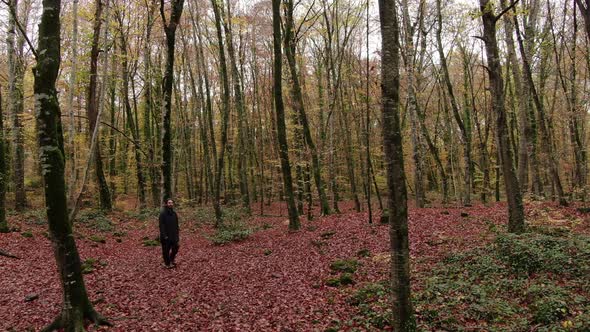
(168, 225)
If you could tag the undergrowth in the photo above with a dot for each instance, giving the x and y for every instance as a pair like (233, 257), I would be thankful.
(539, 279)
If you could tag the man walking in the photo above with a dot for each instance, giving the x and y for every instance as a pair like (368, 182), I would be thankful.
(169, 233)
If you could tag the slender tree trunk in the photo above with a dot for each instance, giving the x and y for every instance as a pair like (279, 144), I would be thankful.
(545, 133)
(76, 307)
(167, 84)
(297, 95)
(417, 155)
(3, 172)
(224, 115)
(462, 122)
(16, 71)
(513, 194)
(239, 103)
(131, 123)
(402, 310)
(280, 114)
(92, 110)
(70, 103)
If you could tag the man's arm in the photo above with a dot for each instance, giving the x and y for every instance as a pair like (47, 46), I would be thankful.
(163, 235)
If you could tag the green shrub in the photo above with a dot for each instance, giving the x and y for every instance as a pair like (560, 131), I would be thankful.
(36, 217)
(147, 242)
(530, 253)
(344, 265)
(370, 292)
(97, 239)
(342, 280)
(88, 265)
(27, 234)
(96, 219)
(232, 231)
(548, 310)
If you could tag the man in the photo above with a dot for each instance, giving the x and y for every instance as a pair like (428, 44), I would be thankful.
(169, 233)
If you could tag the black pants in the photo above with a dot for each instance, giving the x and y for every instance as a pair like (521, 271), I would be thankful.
(169, 251)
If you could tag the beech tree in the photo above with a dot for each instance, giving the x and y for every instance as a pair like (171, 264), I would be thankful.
(280, 115)
(170, 26)
(3, 173)
(514, 196)
(397, 203)
(76, 306)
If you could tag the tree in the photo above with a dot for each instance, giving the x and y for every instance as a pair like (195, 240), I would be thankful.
(76, 308)
(280, 115)
(93, 110)
(396, 178)
(224, 115)
(170, 31)
(16, 72)
(514, 196)
(3, 174)
(464, 121)
(297, 94)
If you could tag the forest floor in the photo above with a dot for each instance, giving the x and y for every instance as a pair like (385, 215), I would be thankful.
(467, 274)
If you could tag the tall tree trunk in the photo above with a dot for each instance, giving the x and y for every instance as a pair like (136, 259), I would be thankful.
(513, 194)
(131, 123)
(239, 103)
(545, 133)
(16, 71)
(76, 307)
(417, 155)
(224, 115)
(280, 116)
(70, 103)
(297, 95)
(92, 110)
(402, 310)
(462, 122)
(148, 114)
(167, 84)
(3, 173)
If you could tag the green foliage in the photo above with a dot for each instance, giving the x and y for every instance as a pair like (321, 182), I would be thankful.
(144, 214)
(96, 219)
(88, 265)
(267, 252)
(27, 234)
(231, 231)
(533, 252)
(517, 282)
(97, 239)
(374, 310)
(342, 280)
(344, 265)
(147, 242)
(36, 217)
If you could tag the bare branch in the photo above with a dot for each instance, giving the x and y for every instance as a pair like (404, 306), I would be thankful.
(505, 10)
(20, 27)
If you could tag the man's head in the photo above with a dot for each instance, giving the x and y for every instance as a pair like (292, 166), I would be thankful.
(170, 203)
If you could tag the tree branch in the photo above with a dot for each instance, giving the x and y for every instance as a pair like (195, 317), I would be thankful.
(505, 10)
(20, 27)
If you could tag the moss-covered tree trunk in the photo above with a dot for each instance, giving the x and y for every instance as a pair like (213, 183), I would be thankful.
(513, 194)
(170, 30)
(396, 179)
(76, 308)
(280, 116)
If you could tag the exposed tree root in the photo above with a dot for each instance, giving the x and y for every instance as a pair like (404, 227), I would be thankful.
(75, 322)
